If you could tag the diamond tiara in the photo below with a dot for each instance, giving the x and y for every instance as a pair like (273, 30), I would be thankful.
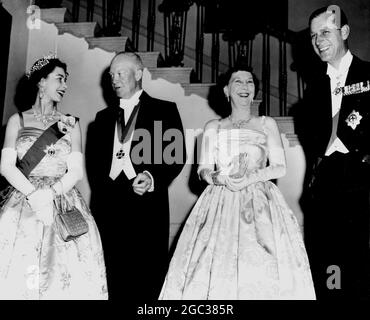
(39, 64)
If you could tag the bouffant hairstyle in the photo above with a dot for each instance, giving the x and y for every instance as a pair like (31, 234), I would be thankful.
(241, 67)
(28, 85)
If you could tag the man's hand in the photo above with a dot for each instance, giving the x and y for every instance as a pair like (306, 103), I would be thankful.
(142, 183)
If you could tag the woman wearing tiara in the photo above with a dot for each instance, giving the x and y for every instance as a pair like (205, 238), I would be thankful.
(241, 241)
(42, 161)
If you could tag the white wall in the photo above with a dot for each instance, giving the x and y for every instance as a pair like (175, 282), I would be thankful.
(17, 51)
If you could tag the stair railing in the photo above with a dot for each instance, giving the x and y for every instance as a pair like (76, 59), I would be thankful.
(151, 25)
(136, 14)
(175, 18)
(266, 74)
(199, 42)
(175, 23)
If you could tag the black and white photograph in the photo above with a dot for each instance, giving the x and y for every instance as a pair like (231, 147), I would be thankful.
(185, 158)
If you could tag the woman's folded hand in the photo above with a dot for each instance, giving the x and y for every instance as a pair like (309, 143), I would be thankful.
(236, 183)
(41, 202)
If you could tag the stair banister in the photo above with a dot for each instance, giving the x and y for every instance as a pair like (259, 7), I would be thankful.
(175, 17)
(151, 25)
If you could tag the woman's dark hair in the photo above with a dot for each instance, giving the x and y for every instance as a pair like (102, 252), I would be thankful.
(216, 97)
(241, 67)
(27, 88)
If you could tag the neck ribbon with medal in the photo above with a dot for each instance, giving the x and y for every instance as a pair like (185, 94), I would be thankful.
(126, 131)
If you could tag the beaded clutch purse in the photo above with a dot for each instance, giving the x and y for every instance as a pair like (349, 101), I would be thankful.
(70, 223)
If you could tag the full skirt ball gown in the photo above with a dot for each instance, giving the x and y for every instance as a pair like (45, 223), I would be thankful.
(240, 245)
(35, 262)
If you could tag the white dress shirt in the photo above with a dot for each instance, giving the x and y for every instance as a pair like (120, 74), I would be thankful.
(124, 164)
(338, 79)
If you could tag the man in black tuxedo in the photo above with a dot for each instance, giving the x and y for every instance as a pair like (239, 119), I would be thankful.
(138, 150)
(335, 135)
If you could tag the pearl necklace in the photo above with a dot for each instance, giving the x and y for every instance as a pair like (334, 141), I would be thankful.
(240, 123)
(44, 118)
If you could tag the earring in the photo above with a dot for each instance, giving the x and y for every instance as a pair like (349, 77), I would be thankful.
(227, 98)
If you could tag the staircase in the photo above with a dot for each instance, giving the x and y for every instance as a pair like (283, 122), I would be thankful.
(88, 56)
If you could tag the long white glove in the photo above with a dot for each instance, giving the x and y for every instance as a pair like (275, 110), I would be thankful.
(276, 169)
(11, 173)
(207, 161)
(41, 202)
(73, 175)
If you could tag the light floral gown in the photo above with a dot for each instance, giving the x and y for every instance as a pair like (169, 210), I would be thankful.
(240, 245)
(35, 263)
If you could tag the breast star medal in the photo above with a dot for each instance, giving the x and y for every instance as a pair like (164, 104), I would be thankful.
(353, 119)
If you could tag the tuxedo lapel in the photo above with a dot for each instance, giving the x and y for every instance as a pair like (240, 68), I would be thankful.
(110, 130)
(143, 119)
(324, 118)
(354, 71)
(328, 114)
(142, 116)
